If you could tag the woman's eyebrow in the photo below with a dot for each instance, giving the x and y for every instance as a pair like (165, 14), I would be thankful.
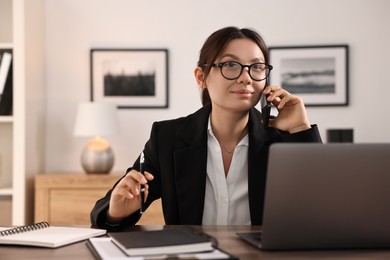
(234, 57)
(258, 59)
(228, 55)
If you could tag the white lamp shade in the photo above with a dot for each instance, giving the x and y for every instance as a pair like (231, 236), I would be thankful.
(96, 119)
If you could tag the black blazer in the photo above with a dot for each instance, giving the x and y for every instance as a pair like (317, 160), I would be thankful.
(176, 154)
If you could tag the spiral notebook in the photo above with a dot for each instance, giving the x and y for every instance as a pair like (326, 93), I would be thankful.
(43, 235)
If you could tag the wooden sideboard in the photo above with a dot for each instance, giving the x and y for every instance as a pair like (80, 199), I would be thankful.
(67, 198)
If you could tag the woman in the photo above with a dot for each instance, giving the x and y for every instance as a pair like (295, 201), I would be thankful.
(210, 167)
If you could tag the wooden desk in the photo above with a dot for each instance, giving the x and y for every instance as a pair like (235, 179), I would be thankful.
(67, 199)
(227, 241)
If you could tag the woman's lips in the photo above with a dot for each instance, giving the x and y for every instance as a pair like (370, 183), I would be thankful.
(243, 92)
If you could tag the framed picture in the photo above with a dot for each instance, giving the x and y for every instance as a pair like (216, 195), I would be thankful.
(318, 74)
(130, 78)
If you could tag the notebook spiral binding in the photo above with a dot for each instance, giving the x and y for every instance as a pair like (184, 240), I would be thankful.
(23, 229)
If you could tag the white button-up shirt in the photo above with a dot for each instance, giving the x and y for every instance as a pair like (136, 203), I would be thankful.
(226, 198)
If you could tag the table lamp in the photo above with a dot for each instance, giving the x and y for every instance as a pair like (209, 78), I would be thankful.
(96, 119)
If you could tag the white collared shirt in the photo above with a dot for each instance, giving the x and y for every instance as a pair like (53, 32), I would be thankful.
(226, 198)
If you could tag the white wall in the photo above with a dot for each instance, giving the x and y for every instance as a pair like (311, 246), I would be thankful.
(73, 27)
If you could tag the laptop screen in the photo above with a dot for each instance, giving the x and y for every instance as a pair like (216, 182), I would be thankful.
(327, 196)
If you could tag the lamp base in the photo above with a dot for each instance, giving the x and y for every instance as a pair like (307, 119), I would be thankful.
(97, 156)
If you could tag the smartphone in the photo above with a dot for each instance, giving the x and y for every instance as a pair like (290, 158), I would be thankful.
(265, 110)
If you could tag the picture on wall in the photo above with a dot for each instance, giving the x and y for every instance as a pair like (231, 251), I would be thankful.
(318, 74)
(130, 78)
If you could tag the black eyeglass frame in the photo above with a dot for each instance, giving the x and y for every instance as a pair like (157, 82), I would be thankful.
(221, 64)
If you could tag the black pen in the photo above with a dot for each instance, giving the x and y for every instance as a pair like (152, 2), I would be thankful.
(141, 169)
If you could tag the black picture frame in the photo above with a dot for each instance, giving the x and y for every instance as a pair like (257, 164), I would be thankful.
(316, 73)
(130, 78)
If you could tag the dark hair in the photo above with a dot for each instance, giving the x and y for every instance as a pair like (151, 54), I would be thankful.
(216, 42)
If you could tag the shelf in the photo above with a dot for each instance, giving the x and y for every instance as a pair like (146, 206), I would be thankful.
(22, 27)
(5, 192)
(6, 45)
(6, 119)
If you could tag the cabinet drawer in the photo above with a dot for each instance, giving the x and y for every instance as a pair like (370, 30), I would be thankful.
(67, 199)
(72, 206)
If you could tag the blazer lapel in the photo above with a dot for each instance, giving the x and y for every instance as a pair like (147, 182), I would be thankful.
(190, 162)
(259, 141)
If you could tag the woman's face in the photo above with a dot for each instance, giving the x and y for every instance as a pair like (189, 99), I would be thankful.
(242, 93)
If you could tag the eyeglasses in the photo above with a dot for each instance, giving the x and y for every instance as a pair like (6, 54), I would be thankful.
(232, 70)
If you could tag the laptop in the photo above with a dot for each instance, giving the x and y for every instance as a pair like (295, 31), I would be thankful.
(326, 196)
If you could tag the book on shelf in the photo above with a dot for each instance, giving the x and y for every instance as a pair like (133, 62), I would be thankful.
(103, 248)
(6, 83)
(43, 235)
(5, 64)
(165, 241)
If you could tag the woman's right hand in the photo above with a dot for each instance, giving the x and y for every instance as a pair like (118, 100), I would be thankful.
(125, 198)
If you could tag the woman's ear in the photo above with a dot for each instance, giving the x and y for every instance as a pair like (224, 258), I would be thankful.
(199, 76)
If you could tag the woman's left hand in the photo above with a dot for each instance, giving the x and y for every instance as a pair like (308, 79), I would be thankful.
(292, 116)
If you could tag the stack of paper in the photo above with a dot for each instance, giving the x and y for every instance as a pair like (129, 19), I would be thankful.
(160, 244)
